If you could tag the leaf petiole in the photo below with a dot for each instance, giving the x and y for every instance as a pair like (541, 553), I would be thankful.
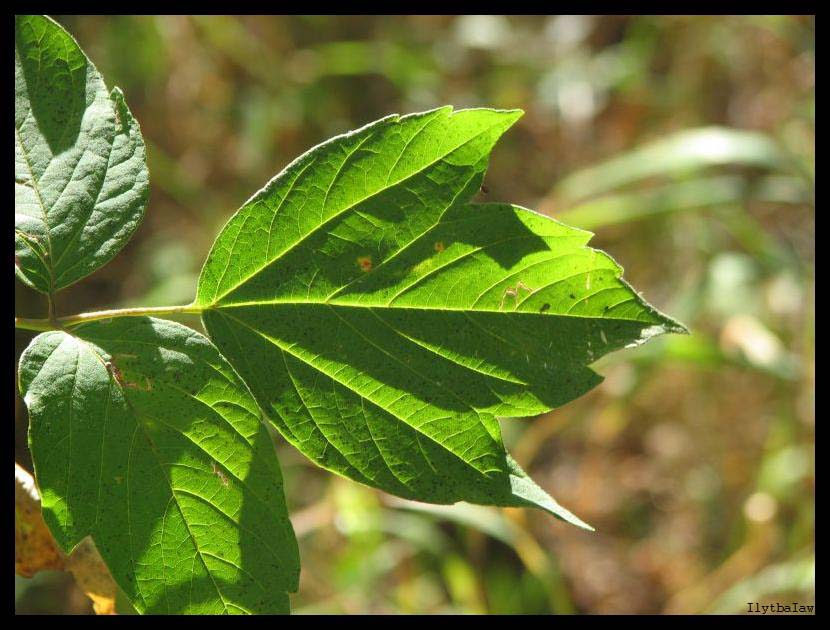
(26, 323)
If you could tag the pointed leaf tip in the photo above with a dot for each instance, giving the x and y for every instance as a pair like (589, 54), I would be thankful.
(384, 322)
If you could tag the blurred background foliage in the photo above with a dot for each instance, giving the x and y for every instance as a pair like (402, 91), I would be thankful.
(686, 143)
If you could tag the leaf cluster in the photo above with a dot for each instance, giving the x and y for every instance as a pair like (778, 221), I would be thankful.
(360, 303)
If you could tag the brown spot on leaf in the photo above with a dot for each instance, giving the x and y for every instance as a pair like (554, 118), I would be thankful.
(218, 472)
(365, 263)
(115, 372)
(148, 386)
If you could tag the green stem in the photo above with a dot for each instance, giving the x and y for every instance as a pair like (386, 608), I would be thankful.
(73, 320)
(40, 325)
(51, 298)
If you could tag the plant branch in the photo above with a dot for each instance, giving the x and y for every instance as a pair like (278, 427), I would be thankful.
(73, 320)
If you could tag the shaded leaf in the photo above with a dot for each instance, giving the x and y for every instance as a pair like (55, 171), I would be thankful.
(80, 177)
(144, 438)
(384, 323)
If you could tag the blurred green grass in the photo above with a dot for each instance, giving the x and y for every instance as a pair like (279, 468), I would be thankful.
(687, 144)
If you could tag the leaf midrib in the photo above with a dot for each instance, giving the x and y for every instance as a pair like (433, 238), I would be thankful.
(384, 306)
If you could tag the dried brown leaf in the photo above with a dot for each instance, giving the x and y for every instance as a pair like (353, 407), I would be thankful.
(36, 550)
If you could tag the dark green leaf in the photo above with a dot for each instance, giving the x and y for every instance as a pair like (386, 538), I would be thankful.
(143, 437)
(80, 176)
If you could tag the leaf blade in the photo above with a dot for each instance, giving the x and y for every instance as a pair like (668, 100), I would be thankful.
(384, 338)
(369, 147)
(184, 494)
(81, 181)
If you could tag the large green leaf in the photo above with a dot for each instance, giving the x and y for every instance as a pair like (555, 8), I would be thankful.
(383, 322)
(143, 437)
(80, 177)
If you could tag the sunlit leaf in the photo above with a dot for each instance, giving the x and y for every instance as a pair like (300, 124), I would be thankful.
(384, 323)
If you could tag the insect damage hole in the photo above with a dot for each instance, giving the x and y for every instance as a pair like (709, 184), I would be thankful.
(118, 376)
(218, 472)
(114, 372)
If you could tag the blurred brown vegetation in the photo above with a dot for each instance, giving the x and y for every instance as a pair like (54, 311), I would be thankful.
(686, 143)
